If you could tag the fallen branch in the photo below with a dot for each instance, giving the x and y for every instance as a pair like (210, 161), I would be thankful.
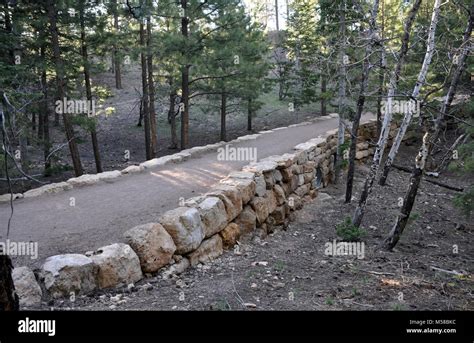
(454, 272)
(377, 273)
(356, 303)
(441, 184)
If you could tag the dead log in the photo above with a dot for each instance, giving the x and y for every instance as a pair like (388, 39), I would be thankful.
(438, 183)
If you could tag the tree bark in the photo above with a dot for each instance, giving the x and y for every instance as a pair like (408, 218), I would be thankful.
(223, 116)
(276, 17)
(361, 100)
(382, 66)
(60, 83)
(430, 45)
(116, 59)
(341, 91)
(145, 108)
(382, 141)
(249, 115)
(45, 113)
(151, 90)
(172, 116)
(87, 79)
(323, 91)
(409, 198)
(185, 82)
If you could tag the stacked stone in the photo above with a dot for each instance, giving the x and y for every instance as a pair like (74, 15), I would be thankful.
(251, 202)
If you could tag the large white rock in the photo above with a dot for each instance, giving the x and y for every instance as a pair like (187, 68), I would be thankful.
(245, 186)
(63, 274)
(260, 167)
(132, 169)
(7, 197)
(307, 146)
(213, 215)
(185, 227)
(118, 265)
(194, 201)
(207, 251)
(282, 161)
(51, 188)
(241, 175)
(84, 180)
(109, 175)
(28, 290)
(155, 162)
(231, 197)
(153, 245)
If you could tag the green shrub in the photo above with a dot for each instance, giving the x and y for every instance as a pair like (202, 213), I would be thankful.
(348, 231)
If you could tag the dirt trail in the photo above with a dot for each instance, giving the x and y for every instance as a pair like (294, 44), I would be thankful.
(104, 211)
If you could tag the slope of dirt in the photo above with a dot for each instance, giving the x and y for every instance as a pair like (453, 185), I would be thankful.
(290, 271)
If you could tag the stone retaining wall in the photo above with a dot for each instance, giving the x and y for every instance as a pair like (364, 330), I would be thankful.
(253, 201)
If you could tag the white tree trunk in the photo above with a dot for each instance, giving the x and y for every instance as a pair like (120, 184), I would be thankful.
(430, 46)
(382, 142)
(426, 148)
(341, 91)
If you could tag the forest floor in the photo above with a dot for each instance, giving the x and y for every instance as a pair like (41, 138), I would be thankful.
(288, 270)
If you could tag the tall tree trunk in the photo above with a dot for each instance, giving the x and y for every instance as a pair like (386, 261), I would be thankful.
(249, 114)
(185, 82)
(87, 79)
(409, 199)
(145, 108)
(361, 100)
(323, 91)
(151, 89)
(382, 141)
(44, 112)
(40, 106)
(8, 29)
(116, 59)
(223, 115)
(277, 20)
(60, 83)
(172, 115)
(342, 89)
(33, 123)
(430, 45)
(428, 141)
(140, 116)
(382, 66)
